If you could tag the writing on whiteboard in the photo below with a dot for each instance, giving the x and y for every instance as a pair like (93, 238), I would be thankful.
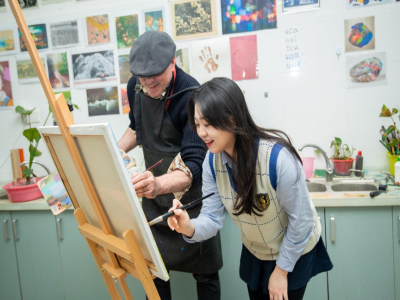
(293, 53)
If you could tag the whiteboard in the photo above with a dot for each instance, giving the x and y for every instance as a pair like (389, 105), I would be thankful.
(100, 155)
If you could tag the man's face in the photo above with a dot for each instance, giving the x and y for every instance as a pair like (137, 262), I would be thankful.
(156, 85)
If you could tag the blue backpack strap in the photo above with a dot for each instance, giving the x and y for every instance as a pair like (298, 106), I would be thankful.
(211, 162)
(272, 164)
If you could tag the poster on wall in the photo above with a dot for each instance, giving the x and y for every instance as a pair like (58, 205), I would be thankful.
(97, 30)
(359, 34)
(244, 57)
(366, 70)
(26, 71)
(182, 59)
(7, 42)
(64, 34)
(193, 19)
(93, 68)
(24, 4)
(102, 101)
(127, 28)
(124, 71)
(363, 3)
(45, 2)
(154, 20)
(6, 98)
(124, 99)
(246, 15)
(57, 66)
(39, 36)
(299, 5)
(2, 6)
(210, 58)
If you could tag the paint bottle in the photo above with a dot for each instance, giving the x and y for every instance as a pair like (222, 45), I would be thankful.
(359, 164)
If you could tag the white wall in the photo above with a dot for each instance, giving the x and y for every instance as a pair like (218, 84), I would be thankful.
(312, 104)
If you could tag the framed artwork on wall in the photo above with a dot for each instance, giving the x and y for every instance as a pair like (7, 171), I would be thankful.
(359, 34)
(364, 3)
(24, 4)
(26, 71)
(6, 98)
(127, 30)
(299, 5)
(3, 6)
(57, 66)
(102, 101)
(64, 34)
(39, 35)
(98, 30)
(8, 40)
(154, 20)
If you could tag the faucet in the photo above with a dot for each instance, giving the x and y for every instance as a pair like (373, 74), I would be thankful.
(35, 162)
(359, 171)
(329, 169)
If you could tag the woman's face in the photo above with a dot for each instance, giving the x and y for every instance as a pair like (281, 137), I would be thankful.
(217, 140)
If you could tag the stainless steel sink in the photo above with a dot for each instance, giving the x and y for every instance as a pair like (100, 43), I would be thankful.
(342, 185)
(314, 187)
(354, 187)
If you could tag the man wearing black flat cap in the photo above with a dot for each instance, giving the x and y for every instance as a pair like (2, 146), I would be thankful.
(158, 93)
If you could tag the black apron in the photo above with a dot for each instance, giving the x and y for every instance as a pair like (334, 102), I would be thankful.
(160, 140)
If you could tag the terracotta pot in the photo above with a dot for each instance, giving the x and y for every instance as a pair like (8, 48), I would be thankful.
(342, 167)
(23, 193)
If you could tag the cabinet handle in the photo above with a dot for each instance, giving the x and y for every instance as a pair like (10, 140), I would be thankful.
(59, 229)
(333, 232)
(15, 229)
(6, 231)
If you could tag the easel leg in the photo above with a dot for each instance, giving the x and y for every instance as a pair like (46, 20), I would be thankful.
(124, 288)
(140, 264)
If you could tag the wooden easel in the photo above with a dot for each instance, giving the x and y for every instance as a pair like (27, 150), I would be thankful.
(114, 257)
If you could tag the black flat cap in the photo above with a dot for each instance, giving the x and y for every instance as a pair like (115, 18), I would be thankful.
(151, 54)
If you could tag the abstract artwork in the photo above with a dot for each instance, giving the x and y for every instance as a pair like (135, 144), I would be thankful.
(57, 66)
(193, 19)
(299, 5)
(359, 34)
(125, 102)
(7, 41)
(127, 28)
(124, 71)
(28, 3)
(363, 3)
(98, 29)
(102, 101)
(182, 59)
(96, 68)
(244, 57)
(64, 34)
(246, 15)
(210, 58)
(154, 21)
(39, 35)
(6, 98)
(26, 71)
(2, 6)
(366, 70)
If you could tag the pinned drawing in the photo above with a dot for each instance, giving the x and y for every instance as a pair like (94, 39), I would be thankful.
(154, 20)
(28, 3)
(2, 6)
(102, 101)
(57, 66)
(124, 70)
(26, 71)
(127, 28)
(64, 34)
(363, 3)
(299, 5)
(7, 42)
(182, 59)
(98, 29)
(360, 34)
(6, 98)
(244, 57)
(39, 35)
(125, 102)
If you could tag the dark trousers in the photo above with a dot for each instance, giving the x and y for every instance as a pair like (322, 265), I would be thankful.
(208, 287)
(259, 294)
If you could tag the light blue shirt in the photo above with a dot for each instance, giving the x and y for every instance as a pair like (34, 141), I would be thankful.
(292, 194)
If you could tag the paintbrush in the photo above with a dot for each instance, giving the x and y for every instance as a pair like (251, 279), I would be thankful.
(153, 166)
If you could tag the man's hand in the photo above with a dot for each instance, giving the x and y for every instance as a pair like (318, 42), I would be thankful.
(180, 222)
(145, 184)
(278, 285)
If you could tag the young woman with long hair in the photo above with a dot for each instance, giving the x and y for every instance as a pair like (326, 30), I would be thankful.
(257, 178)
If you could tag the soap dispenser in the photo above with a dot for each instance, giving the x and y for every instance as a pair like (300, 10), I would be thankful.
(359, 164)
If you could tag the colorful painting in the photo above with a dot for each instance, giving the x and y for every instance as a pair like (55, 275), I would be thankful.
(359, 34)
(244, 57)
(6, 98)
(98, 30)
(366, 70)
(96, 68)
(26, 71)
(246, 15)
(182, 59)
(125, 102)
(45, 2)
(103, 101)
(7, 42)
(64, 34)
(127, 28)
(39, 35)
(299, 5)
(2, 6)
(54, 192)
(154, 20)
(210, 59)
(363, 3)
(24, 4)
(193, 19)
(57, 66)
(124, 70)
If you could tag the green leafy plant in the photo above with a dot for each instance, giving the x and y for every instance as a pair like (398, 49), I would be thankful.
(342, 151)
(391, 135)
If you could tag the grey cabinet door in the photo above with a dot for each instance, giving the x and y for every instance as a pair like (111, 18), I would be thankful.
(9, 279)
(396, 240)
(38, 255)
(360, 244)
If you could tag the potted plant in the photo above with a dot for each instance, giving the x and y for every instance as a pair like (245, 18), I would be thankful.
(390, 136)
(341, 158)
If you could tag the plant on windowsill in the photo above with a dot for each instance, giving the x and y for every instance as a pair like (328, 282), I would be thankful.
(390, 137)
(341, 158)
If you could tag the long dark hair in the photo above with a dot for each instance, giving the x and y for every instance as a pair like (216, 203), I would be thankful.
(223, 106)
